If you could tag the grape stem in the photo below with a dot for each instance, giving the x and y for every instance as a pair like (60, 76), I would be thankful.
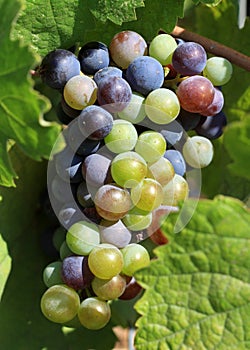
(213, 47)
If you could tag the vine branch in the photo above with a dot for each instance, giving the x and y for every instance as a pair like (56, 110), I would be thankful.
(214, 47)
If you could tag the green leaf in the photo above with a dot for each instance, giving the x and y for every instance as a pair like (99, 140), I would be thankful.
(218, 178)
(21, 108)
(117, 11)
(198, 290)
(22, 226)
(159, 14)
(237, 143)
(5, 263)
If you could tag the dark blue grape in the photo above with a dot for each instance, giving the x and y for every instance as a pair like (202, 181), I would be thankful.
(68, 165)
(83, 195)
(75, 272)
(61, 115)
(212, 127)
(145, 74)
(107, 72)
(58, 67)
(188, 120)
(93, 56)
(79, 143)
(176, 159)
(96, 170)
(71, 112)
(189, 58)
(95, 122)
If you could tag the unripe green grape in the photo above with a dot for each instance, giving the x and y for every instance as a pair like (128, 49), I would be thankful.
(135, 257)
(218, 70)
(198, 151)
(128, 169)
(122, 137)
(80, 92)
(162, 47)
(135, 221)
(94, 313)
(162, 106)
(60, 303)
(52, 274)
(82, 237)
(105, 261)
(175, 191)
(147, 195)
(151, 145)
(135, 110)
(109, 289)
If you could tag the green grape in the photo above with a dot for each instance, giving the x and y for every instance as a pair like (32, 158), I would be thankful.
(135, 221)
(135, 110)
(175, 191)
(59, 237)
(60, 303)
(109, 289)
(82, 237)
(80, 91)
(52, 274)
(94, 313)
(147, 195)
(105, 261)
(122, 137)
(65, 251)
(151, 145)
(162, 171)
(162, 106)
(135, 257)
(128, 169)
(218, 70)
(198, 151)
(162, 47)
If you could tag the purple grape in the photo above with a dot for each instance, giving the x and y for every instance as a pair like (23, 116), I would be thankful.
(96, 170)
(189, 58)
(107, 72)
(114, 94)
(95, 122)
(75, 272)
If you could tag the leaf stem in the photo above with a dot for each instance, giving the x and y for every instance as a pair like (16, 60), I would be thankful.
(214, 47)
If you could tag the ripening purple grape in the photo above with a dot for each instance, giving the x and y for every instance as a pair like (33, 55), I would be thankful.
(189, 58)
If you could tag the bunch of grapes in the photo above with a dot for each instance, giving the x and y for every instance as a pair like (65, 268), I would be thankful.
(127, 111)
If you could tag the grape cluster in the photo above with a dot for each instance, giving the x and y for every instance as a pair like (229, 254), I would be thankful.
(127, 109)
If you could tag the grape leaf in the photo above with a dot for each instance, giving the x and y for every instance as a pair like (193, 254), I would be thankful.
(160, 15)
(22, 226)
(21, 107)
(5, 262)
(239, 151)
(225, 182)
(198, 290)
(117, 11)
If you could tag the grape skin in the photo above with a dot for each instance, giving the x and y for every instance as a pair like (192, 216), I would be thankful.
(161, 48)
(177, 160)
(58, 67)
(145, 74)
(218, 70)
(94, 313)
(93, 56)
(189, 58)
(195, 94)
(198, 151)
(114, 94)
(115, 233)
(126, 46)
(105, 73)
